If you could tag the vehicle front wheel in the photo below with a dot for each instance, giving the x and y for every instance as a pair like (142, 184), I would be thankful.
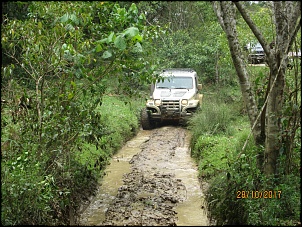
(147, 124)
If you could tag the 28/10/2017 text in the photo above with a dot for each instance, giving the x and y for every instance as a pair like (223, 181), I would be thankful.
(267, 194)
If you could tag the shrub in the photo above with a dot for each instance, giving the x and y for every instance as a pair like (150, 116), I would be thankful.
(233, 178)
(44, 181)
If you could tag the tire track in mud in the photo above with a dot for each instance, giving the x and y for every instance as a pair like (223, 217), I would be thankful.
(161, 187)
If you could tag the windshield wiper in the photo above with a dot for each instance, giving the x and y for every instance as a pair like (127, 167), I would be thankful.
(181, 88)
(163, 87)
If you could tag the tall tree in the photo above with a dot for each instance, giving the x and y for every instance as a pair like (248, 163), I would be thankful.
(62, 56)
(286, 21)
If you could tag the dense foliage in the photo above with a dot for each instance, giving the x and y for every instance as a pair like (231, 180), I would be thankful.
(73, 79)
(235, 183)
(58, 62)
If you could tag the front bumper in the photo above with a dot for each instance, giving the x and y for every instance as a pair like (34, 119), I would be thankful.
(171, 110)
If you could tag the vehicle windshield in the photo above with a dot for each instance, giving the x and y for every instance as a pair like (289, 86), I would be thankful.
(255, 47)
(175, 83)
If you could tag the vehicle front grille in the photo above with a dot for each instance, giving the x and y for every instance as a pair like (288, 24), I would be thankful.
(170, 104)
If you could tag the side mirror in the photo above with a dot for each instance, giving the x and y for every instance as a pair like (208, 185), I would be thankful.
(199, 86)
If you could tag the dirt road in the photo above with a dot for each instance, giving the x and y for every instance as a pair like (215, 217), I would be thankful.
(151, 181)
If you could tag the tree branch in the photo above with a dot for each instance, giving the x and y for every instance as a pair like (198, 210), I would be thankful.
(253, 28)
(217, 8)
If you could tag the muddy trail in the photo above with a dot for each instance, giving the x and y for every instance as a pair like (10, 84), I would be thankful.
(151, 181)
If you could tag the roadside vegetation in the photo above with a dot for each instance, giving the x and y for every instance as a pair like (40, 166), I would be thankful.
(66, 104)
(238, 193)
(74, 76)
(71, 175)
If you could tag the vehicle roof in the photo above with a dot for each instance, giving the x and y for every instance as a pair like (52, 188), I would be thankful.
(254, 46)
(179, 72)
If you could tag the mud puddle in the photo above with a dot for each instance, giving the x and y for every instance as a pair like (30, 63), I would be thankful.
(153, 181)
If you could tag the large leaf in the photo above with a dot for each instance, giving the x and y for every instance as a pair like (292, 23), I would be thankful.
(133, 8)
(74, 19)
(131, 32)
(105, 40)
(64, 18)
(69, 27)
(120, 42)
(138, 38)
(110, 37)
(137, 48)
(98, 48)
(107, 54)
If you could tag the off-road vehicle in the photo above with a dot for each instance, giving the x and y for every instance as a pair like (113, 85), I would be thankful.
(256, 53)
(173, 97)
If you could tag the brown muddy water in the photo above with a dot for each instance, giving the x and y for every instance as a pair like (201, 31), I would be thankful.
(153, 181)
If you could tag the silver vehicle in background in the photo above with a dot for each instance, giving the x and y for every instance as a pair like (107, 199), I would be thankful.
(256, 53)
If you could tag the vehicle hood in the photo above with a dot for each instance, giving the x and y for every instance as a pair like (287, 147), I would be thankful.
(173, 94)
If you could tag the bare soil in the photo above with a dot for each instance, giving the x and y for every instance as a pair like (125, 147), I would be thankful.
(161, 187)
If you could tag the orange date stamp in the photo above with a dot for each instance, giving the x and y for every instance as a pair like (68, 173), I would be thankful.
(255, 194)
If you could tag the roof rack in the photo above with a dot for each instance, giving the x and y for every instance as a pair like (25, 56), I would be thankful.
(179, 69)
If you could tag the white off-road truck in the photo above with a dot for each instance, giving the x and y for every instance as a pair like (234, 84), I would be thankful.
(174, 97)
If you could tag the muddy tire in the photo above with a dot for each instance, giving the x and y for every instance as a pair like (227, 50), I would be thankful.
(147, 124)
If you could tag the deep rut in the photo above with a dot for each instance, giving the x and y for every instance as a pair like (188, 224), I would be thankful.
(152, 181)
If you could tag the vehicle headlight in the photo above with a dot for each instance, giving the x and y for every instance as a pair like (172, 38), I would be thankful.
(157, 102)
(184, 102)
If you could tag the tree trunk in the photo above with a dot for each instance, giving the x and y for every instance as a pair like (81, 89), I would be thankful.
(225, 12)
(286, 17)
(273, 142)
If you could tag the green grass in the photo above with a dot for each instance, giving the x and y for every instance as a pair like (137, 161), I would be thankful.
(219, 132)
(120, 123)
(214, 152)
